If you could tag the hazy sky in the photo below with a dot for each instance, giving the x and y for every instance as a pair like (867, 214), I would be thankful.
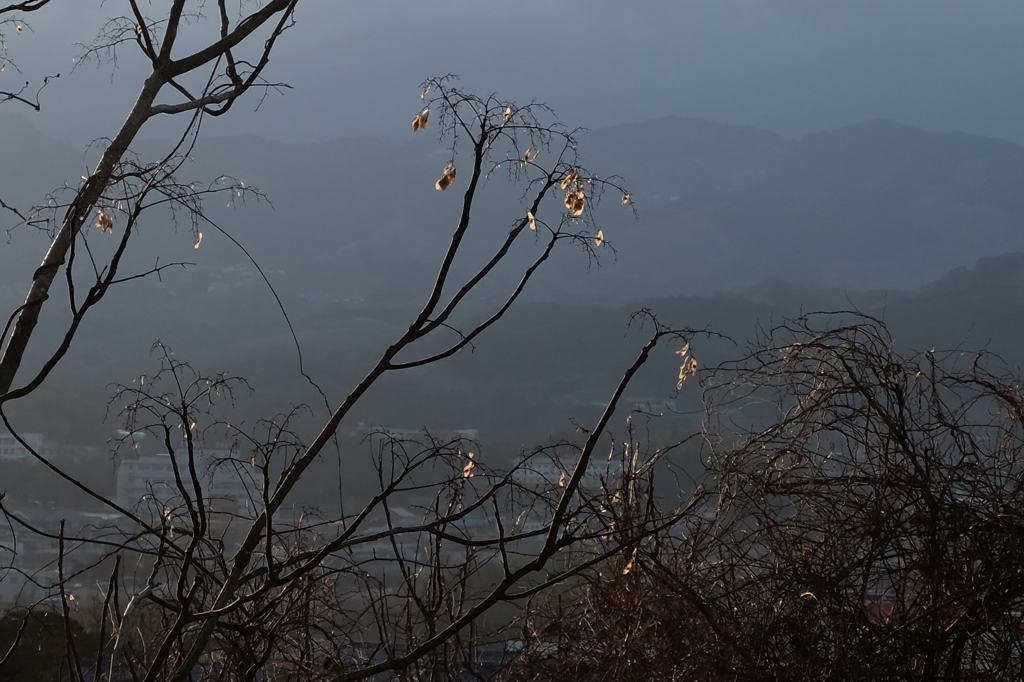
(792, 66)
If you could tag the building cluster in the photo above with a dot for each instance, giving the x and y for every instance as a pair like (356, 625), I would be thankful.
(149, 488)
(36, 510)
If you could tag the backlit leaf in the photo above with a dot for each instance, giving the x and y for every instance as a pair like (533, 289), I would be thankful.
(688, 366)
(104, 222)
(575, 200)
(447, 178)
(421, 120)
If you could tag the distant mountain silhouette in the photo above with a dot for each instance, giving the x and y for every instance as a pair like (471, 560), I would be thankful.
(872, 205)
(877, 204)
(356, 230)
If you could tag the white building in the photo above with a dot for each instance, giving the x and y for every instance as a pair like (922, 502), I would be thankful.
(541, 471)
(11, 450)
(548, 472)
(153, 478)
(141, 478)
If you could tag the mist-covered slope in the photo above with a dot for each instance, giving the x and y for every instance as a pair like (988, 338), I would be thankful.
(872, 205)
(876, 204)
(354, 231)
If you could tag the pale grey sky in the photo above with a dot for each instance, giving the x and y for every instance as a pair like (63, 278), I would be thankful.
(791, 66)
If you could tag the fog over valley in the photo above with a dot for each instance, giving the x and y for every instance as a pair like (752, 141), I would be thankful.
(734, 227)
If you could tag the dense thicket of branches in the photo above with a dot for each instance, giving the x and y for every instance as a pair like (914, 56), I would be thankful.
(869, 525)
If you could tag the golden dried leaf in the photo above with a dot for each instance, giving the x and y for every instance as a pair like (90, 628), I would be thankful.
(562, 479)
(508, 113)
(626, 198)
(421, 120)
(532, 219)
(447, 178)
(572, 177)
(104, 222)
(629, 566)
(423, 94)
(528, 156)
(467, 471)
(599, 239)
(198, 241)
(688, 366)
(575, 200)
(20, 27)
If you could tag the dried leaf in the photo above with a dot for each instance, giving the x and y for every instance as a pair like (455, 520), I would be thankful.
(575, 200)
(688, 367)
(562, 479)
(198, 241)
(687, 370)
(20, 27)
(447, 178)
(599, 239)
(629, 566)
(423, 94)
(532, 219)
(421, 120)
(104, 222)
(467, 471)
(508, 113)
(626, 198)
(610, 531)
(529, 155)
(569, 179)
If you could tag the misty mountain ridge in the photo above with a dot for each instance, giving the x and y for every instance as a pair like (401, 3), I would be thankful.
(776, 227)
(872, 205)
(355, 231)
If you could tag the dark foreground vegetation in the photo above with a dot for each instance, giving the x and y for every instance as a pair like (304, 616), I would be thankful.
(857, 516)
(866, 525)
